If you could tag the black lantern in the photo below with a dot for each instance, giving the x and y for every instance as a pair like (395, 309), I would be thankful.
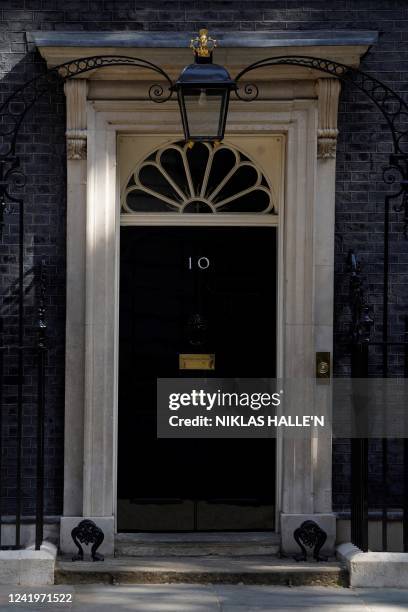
(203, 91)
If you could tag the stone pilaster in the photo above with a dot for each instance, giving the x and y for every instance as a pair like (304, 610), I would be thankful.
(75, 91)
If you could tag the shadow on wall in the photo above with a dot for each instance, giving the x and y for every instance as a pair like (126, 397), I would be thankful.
(39, 182)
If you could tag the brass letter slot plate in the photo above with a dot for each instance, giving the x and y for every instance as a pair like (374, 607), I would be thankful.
(195, 361)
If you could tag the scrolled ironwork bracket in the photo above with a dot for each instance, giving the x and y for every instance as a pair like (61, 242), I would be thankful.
(16, 106)
(87, 532)
(397, 173)
(311, 535)
(393, 108)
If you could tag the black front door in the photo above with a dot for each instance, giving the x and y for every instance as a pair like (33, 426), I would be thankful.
(196, 291)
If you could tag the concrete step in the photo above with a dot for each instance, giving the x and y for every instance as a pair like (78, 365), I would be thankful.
(201, 570)
(196, 544)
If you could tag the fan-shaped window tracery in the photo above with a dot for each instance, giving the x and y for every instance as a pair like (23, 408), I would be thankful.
(207, 178)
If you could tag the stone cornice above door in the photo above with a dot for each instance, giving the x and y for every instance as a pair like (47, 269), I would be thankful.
(236, 50)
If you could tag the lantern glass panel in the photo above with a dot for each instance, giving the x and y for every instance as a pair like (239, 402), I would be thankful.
(205, 112)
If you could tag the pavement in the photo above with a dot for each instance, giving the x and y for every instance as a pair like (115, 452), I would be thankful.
(211, 598)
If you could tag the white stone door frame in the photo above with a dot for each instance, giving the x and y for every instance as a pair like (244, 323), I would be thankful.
(306, 226)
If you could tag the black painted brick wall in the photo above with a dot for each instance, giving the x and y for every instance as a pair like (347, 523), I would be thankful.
(362, 150)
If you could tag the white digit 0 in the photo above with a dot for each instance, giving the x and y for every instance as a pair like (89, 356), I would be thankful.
(203, 263)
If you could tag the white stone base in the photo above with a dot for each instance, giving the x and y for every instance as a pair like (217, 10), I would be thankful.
(28, 567)
(290, 522)
(374, 569)
(106, 523)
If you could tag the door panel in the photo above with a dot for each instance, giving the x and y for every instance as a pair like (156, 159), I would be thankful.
(193, 290)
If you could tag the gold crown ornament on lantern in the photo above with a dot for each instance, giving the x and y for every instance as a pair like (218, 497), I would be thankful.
(203, 45)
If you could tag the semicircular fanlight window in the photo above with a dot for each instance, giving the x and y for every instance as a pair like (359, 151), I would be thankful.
(207, 178)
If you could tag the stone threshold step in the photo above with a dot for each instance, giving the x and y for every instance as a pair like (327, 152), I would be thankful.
(196, 544)
(201, 570)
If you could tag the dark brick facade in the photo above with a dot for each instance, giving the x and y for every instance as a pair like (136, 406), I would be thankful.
(362, 151)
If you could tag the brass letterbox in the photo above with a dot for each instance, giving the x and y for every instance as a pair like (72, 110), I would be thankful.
(196, 361)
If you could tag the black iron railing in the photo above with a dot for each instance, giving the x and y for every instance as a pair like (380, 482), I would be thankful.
(373, 499)
(15, 358)
(373, 494)
(361, 330)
